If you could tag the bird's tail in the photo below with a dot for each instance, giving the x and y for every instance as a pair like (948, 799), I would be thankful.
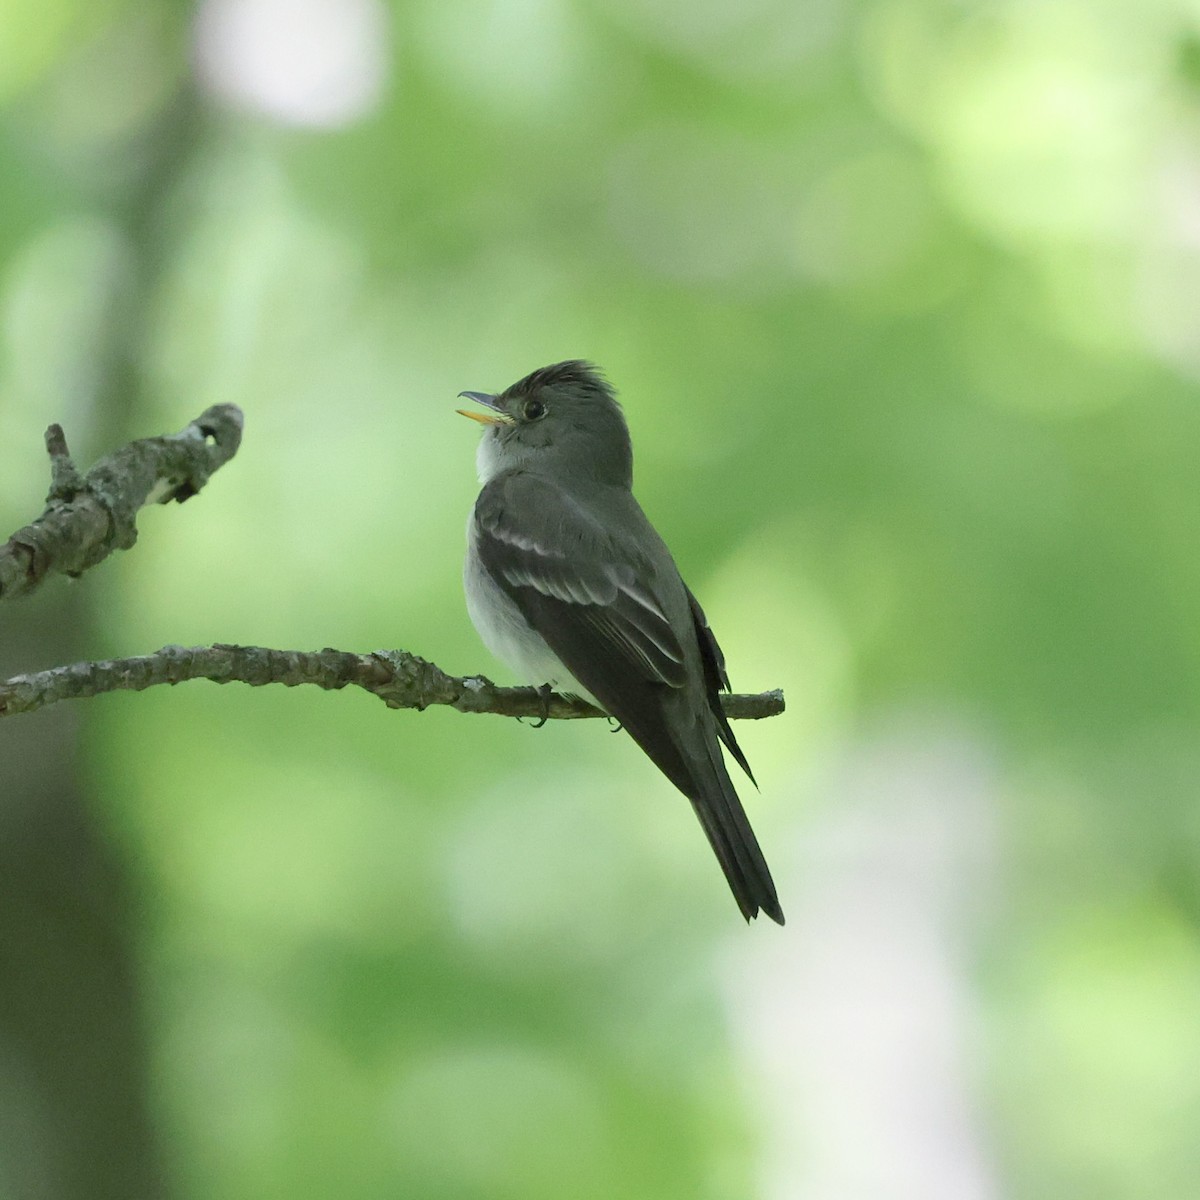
(685, 744)
(733, 841)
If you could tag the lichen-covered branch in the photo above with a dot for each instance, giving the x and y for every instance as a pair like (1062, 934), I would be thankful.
(89, 516)
(399, 679)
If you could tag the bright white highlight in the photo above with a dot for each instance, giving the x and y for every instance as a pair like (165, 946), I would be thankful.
(320, 63)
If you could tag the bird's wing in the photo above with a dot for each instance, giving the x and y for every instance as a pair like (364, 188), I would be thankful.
(577, 583)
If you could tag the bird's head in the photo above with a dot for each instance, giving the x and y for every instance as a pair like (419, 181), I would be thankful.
(562, 419)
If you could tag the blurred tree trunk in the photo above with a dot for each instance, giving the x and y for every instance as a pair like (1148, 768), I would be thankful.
(75, 1108)
(74, 1120)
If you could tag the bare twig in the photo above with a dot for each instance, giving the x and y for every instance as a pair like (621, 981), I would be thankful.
(399, 679)
(89, 516)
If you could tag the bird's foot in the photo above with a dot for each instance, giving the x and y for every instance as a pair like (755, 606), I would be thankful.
(544, 693)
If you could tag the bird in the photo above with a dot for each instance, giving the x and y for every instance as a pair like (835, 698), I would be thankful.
(569, 584)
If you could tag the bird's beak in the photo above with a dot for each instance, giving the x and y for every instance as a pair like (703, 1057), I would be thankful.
(496, 417)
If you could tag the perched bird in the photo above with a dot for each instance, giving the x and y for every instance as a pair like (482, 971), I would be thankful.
(568, 583)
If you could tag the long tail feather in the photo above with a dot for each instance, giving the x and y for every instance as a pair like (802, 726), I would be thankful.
(725, 822)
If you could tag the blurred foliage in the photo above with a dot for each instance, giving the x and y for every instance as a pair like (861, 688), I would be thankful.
(901, 298)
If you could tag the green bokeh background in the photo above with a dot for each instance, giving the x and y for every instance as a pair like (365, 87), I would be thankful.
(902, 302)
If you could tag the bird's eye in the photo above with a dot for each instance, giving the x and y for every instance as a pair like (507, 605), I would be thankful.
(533, 409)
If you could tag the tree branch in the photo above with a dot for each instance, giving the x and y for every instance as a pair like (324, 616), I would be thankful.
(399, 679)
(89, 516)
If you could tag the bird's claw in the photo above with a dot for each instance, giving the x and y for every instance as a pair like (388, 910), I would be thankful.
(543, 694)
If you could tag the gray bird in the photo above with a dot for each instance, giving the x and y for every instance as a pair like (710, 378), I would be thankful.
(568, 583)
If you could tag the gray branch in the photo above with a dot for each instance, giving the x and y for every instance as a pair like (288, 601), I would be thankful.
(399, 679)
(89, 516)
